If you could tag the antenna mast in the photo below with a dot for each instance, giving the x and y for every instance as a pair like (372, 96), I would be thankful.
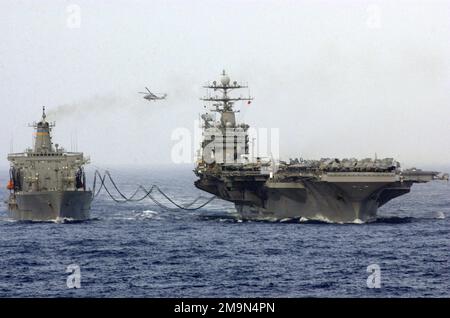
(224, 103)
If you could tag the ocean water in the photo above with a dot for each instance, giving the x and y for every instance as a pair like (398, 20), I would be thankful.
(141, 250)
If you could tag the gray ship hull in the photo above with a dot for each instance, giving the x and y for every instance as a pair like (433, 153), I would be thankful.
(324, 201)
(340, 199)
(50, 205)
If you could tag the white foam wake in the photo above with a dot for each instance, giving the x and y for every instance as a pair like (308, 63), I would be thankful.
(60, 220)
(440, 215)
(321, 218)
(147, 214)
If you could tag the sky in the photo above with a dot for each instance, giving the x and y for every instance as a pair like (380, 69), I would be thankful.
(337, 78)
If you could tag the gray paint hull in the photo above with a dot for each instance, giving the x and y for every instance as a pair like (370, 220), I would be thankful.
(330, 202)
(318, 206)
(340, 202)
(51, 205)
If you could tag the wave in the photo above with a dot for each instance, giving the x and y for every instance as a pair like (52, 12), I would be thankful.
(148, 214)
(138, 215)
(58, 220)
(439, 215)
(395, 219)
(409, 219)
(235, 218)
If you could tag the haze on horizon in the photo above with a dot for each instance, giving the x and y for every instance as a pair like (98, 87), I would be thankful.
(338, 78)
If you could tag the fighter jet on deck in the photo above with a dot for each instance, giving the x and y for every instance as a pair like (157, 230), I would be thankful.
(150, 96)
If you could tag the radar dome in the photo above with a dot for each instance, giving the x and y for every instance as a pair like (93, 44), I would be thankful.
(225, 80)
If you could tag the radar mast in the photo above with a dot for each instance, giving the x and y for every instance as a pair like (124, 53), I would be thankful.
(224, 103)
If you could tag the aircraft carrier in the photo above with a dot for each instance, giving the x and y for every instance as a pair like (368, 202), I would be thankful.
(343, 191)
(46, 182)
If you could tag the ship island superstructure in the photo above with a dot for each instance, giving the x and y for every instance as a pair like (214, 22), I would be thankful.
(330, 189)
(47, 182)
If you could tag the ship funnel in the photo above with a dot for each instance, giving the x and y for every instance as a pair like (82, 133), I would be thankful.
(43, 140)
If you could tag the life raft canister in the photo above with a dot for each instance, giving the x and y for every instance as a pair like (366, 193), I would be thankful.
(10, 185)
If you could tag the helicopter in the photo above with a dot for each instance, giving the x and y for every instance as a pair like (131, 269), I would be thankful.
(150, 96)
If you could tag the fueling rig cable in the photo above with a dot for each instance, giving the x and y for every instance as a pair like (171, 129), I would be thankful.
(147, 194)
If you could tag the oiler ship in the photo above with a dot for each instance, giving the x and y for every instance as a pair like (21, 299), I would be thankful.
(347, 190)
(47, 182)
